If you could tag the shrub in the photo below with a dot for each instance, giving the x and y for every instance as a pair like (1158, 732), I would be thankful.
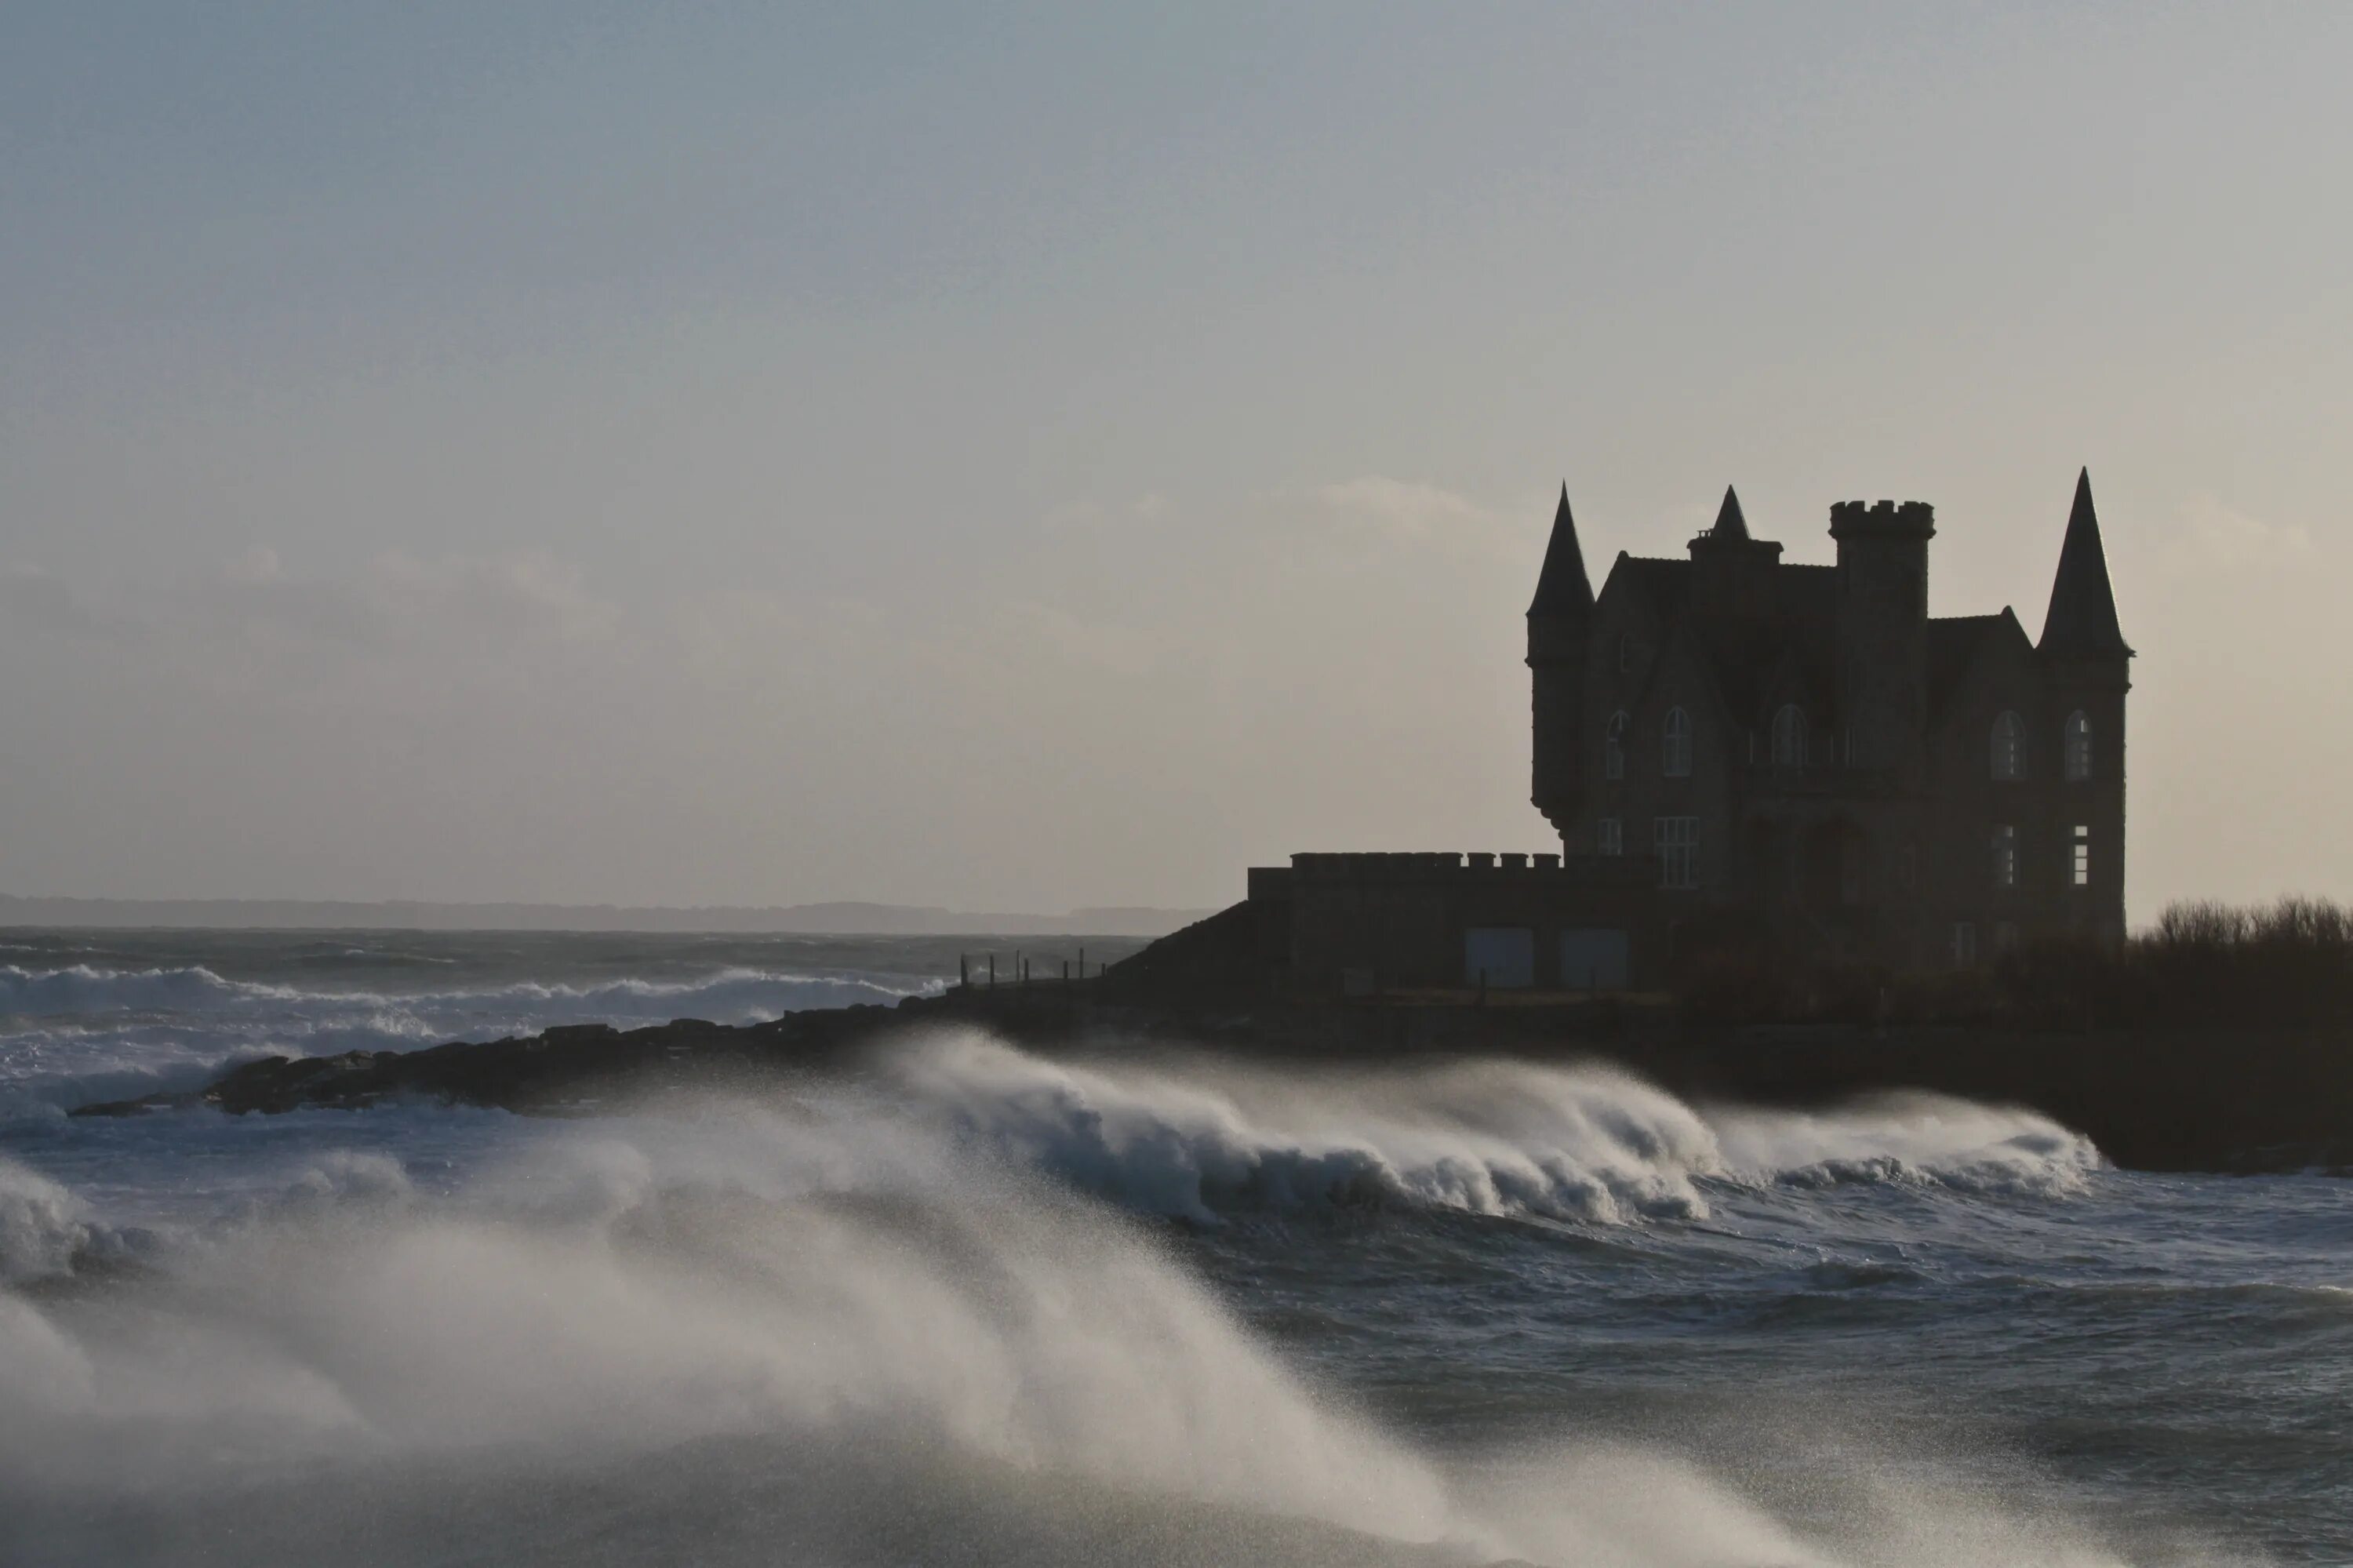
(2290, 962)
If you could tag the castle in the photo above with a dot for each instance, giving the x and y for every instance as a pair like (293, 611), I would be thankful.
(1806, 744)
(1796, 758)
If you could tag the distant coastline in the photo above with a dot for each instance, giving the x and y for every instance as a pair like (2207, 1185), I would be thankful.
(845, 918)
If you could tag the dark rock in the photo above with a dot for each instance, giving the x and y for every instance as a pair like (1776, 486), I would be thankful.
(2185, 1099)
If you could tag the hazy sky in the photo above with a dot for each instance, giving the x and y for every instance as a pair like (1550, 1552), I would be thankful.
(709, 454)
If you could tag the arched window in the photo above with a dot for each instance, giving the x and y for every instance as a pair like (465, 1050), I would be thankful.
(2008, 746)
(1613, 748)
(2078, 747)
(1789, 736)
(1676, 757)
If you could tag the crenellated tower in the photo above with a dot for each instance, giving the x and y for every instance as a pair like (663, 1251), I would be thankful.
(1882, 629)
(1560, 624)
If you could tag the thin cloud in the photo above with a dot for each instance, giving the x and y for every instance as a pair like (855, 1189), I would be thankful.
(2217, 537)
(32, 596)
(399, 602)
(1402, 509)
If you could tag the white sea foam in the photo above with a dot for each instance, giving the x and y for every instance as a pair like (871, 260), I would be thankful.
(1202, 1138)
(887, 1304)
(42, 1227)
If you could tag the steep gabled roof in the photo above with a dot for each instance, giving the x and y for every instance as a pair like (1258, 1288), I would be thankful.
(1562, 587)
(1955, 644)
(1741, 658)
(2082, 620)
(1665, 583)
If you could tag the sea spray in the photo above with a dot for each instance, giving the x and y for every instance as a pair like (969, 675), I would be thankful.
(891, 1321)
(605, 1293)
(1203, 1138)
(42, 1227)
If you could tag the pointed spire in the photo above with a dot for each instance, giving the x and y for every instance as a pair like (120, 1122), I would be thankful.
(1729, 523)
(2082, 620)
(1562, 587)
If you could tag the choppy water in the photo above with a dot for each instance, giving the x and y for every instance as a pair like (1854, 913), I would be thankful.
(972, 1306)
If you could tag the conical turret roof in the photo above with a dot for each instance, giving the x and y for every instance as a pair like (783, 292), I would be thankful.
(1729, 521)
(2082, 620)
(1562, 587)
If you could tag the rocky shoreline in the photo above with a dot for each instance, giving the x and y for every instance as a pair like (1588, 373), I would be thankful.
(2268, 1100)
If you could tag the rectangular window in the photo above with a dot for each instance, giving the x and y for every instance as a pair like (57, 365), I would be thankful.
(2079, 864)
(1964, 945)
(1610, 836)
(1594, 959)
(1675, 750)
(1676, 842)
(1501, 957)
(2005, 855)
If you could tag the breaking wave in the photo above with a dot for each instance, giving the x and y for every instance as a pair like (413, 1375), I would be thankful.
(1203, 1139)
(844, 1333)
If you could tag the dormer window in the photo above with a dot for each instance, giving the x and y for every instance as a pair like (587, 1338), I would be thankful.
(1789, 736)
(1613, 746)
(2008, 746)
(1675, 754)
(2077, 746)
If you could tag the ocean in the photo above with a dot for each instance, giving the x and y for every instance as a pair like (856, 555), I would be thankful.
(966, 1304)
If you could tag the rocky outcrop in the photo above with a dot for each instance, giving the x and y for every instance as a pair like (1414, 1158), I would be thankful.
(567, 1070)
(2187, 1099)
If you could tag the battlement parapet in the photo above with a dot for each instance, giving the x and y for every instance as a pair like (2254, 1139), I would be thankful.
(1910, 519)
(1390, 866)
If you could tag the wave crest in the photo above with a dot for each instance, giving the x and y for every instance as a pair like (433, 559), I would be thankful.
(1202, 1140)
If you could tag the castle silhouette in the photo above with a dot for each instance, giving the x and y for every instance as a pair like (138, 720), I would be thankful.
(1796, 759)
(1808, 744)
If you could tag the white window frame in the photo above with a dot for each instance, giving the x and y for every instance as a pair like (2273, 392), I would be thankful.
(1675, 840)
(2075, 744)
(1613, 746)
(1610, 836)
(2005, 855)
(1790, 738)
(2079, 856)
(2008, 746)
(1675, 743)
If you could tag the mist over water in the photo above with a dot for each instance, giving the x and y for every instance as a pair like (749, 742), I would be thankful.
(969, 1304)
